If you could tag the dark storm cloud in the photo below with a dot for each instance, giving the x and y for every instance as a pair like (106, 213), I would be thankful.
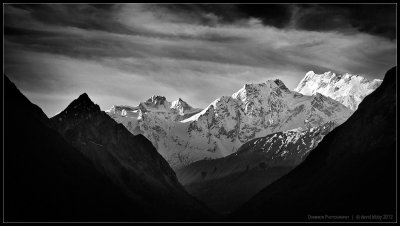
(271, 14)
(123, 54)
(376, 19)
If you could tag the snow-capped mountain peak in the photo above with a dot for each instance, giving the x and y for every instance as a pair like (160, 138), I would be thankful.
(250, 92)
(181, 106)
(121, 109)
(157, 101)
(348, 89)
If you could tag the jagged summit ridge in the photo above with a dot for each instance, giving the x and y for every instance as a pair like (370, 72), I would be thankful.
(347, 88)
(155, 103)
(252, 91)
(156, 100)
(121, 109)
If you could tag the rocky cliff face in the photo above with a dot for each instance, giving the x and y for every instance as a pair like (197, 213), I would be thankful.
(351, 171)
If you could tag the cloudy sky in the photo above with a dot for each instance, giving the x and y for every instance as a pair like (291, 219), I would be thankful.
(123, 54)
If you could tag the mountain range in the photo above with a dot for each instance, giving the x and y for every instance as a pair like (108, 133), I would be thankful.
(219, 130)
(348, 89)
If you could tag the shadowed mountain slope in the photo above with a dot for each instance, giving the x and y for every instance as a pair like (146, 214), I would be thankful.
(47, 179)
(131, 162)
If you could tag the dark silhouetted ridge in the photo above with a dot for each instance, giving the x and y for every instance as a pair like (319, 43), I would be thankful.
(92, 170)
(82, 104)
(46, 179)
(131, 162)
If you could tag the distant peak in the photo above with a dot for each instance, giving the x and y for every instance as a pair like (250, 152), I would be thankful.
(310, 73)
(156, 99)
(181, 104)
(84, 97)
(82, 104)
(181, 101)
(120, 108)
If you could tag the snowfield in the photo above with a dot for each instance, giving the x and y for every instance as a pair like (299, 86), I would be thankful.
(348, 89)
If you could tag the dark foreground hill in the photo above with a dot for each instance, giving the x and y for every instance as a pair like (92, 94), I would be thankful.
(48, 179)
(131, 162)
(352, 172)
